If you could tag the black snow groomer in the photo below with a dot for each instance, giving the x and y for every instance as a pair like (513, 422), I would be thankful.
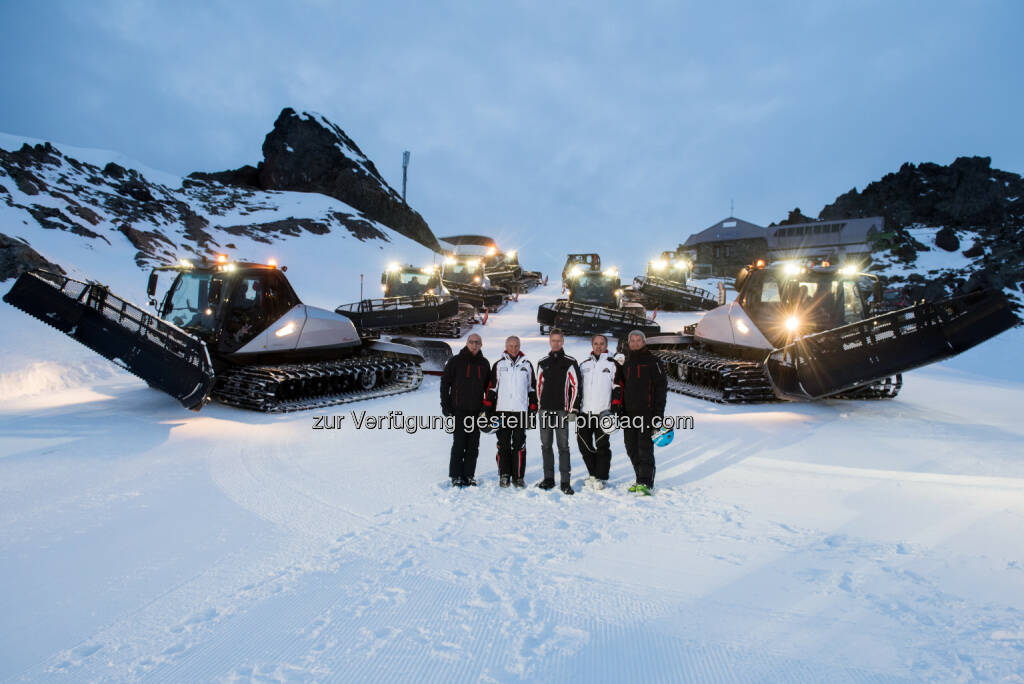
(415, 302)
(501, 268)
(664, 294)
(235, 332)
(664, 286)
(594, 305)
(801, 332)
(465, 278)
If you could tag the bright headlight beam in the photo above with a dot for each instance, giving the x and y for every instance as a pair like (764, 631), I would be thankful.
(792, 324)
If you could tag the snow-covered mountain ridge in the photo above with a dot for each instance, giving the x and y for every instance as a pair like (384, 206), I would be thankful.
(81, 211)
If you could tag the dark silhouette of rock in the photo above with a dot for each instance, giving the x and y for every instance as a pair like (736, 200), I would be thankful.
(946, 239)
(976, 250)
(307, 153)
(795, 217)
(17, 256)
(245, 177)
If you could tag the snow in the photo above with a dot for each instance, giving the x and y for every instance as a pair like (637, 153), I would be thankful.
(829, 541)
(935, 259)
(835, 541)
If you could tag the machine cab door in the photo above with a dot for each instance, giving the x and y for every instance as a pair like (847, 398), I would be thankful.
(761, 298)
(256, 301)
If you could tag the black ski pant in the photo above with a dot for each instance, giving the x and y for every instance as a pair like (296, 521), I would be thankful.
(640, 448)
(512, 444)
(465, 448)
(594, 446)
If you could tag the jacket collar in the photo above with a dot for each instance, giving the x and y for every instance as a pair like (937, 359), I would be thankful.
(513, 358)
(598, 357)
(557, 354)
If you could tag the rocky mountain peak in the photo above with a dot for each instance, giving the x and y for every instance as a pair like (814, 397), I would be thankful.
(306, 152)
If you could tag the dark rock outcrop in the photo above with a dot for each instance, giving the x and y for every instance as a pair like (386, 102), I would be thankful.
(946, 239)
(307, 153)
(17, 256)
(795, 217)
(966, 196)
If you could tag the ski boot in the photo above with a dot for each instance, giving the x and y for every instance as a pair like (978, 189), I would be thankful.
(546, 484)
(505, 481)
(567, 488)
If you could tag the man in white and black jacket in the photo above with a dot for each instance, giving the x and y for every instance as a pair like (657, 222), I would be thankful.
(512, 397)
(602, 391)
(463, 385)
(559, 395)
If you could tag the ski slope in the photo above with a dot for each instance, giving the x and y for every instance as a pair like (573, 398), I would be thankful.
(867, 541)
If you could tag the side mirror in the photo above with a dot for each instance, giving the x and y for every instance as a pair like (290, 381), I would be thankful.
(741, 278)
(151, 286)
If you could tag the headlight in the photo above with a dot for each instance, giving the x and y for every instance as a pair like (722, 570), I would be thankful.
(476, 279)
(618, 293)
(659, 265)
(792, 324)
(611, 272)
(576, 271)
(791, 269)
(286, 329)
(848, 270)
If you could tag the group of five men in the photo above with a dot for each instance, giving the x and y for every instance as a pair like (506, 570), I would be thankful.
(513, 397)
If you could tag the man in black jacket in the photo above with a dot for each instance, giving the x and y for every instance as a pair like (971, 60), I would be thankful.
(559, 393)
(644, 389)
(462, 396)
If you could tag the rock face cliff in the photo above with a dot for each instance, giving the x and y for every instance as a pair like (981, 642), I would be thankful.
(307, 153)
(945, 225)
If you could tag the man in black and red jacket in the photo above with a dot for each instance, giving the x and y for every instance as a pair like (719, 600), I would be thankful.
(644, 390)
(559, 393)
(462, 396)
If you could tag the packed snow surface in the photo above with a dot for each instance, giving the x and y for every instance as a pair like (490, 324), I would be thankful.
(835, 541)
